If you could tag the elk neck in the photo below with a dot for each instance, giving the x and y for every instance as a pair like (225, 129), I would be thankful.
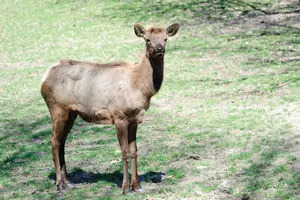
(157, 65)
(150, 75)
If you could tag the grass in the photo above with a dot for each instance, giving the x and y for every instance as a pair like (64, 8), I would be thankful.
(225, 124)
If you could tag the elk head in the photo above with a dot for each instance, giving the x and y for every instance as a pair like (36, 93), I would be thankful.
(155, 38)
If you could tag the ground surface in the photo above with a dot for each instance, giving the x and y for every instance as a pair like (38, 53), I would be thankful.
(225, 125)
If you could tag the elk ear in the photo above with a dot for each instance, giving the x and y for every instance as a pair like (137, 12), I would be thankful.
(172, 30)
(139, 30)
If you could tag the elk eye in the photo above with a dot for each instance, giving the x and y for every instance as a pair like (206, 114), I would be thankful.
(148, 41)
(166, 40)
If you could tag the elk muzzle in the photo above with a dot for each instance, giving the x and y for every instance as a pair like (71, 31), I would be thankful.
(160, 50)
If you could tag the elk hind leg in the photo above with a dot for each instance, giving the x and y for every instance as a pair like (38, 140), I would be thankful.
(68, 126)
(60, 118)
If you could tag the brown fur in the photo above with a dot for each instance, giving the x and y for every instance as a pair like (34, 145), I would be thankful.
(156, 30)
(115, 93)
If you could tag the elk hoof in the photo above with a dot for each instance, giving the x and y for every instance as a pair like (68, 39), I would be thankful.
(125, 188)
(62, 187)
(126, 191)
(135, 186)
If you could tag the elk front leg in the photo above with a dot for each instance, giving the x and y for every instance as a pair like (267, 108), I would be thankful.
(132, 128)
(122, 133)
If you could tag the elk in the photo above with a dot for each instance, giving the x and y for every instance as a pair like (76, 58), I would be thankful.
(116, 93)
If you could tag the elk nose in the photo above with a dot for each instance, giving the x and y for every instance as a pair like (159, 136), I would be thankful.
(159, 48)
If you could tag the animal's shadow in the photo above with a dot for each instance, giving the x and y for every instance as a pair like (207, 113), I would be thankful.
(79, 176)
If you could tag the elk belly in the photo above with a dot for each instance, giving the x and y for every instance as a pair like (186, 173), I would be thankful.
(103, 117)
(99, 117)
